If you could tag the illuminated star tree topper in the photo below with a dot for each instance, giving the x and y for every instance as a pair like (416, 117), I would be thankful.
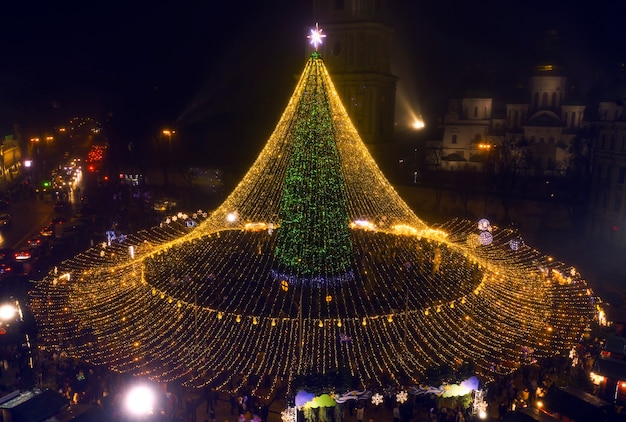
(316, 36)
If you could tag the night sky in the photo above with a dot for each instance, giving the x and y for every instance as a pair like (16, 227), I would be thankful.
(223, 72)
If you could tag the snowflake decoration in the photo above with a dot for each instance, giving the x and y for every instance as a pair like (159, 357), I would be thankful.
(377, 399)
(288, 415)
(402, 397)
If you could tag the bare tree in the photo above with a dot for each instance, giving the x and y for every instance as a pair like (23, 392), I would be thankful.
(506, 163)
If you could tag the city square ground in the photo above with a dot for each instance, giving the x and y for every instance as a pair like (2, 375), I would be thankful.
(602, 262)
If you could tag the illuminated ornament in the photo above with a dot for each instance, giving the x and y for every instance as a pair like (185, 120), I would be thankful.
(364, 322)
(485, 238)
(320, 324)
(484, 224)
(329, 299)
(344, 338)
(377, 399)
(316, 36)
(284, 285)
(220, 315)
(238, 319)
(402, 397)
(339, 323)
(390, 318)
(515, 244)
(255, 321)
(273, 322)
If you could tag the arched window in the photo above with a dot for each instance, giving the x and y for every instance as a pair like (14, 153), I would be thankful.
(544, 99)
(554, 99)
(565, 116)
(454, 139)
(475, 111)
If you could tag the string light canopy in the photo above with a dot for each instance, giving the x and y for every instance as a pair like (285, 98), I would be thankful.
(312, 265)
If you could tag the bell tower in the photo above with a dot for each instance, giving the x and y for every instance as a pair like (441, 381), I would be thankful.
(357, 53)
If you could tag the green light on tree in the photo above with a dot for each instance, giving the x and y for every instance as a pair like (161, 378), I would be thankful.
(313, 240)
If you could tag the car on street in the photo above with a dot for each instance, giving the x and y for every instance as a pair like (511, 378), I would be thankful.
(6, 268)
(47, 231)
(60, 207)
(58, 220)
(7, 261)
(37, 246)
(23, 254)
(36, 242)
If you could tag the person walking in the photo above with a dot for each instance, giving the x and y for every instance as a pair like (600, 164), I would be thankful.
(360, 412)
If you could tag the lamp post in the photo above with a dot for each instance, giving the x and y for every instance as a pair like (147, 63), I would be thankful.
(140, 401)
(169, 134)
(167, 162)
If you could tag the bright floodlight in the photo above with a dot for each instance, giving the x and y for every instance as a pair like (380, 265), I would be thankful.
(7, 312)
(140, 400)
(418, 124)
(231, 217)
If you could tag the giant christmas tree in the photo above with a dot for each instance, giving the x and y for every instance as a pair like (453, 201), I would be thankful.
(313, 265)
(313, 241)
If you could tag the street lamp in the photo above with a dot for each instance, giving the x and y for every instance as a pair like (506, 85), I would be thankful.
(140, 401)
(169, 134)
(7, 312)
(10, 313)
